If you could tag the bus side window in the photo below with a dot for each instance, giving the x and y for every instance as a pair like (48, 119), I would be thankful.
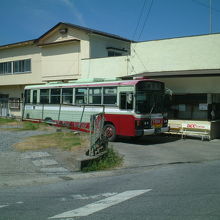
(67, 95)
(44, 96)
(81, 96)
(110, 96)
(126, 100)
(95, 96)
(27, 96)
(34, 97)
(55, 96)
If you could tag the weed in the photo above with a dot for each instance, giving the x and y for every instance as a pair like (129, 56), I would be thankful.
(110, 160)
(6, 120)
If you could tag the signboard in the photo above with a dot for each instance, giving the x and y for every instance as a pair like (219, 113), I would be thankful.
(196, 126)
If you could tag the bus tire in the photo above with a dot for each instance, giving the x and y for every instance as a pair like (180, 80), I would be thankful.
(110, 132)
(48, 120)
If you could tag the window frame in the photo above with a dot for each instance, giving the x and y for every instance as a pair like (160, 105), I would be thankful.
(70, 88)
(24, 66)
(85, 95)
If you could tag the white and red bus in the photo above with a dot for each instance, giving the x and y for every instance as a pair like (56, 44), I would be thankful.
(132, 107)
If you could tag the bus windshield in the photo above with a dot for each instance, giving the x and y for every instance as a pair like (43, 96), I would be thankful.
(149, 103)
(149, 97)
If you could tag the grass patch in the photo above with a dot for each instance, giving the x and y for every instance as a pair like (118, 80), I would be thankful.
(25, 126)
(110, 160)
(6, 120)
(63, 140)
(29, 126)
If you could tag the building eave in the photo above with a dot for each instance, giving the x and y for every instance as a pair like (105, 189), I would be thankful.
(178, 73)
(17, 44)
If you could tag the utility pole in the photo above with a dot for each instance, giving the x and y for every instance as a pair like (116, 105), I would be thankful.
(210, 16)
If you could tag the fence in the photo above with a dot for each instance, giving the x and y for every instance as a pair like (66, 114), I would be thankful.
(9, 108)
(85, 118)
(98, 141)
(4, 109)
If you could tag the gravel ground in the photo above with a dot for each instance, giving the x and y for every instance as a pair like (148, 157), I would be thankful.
(8, 138)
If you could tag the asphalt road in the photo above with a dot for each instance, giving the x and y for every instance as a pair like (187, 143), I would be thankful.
(178, 191)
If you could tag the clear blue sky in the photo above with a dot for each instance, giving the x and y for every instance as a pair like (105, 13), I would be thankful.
(28, 19)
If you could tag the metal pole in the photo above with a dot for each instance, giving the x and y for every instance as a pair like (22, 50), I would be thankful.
(79, 126)
(59, 113)
(43, 112)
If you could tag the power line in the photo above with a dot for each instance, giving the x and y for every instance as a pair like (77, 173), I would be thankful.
(146, 19)
(205, 5)
(139, 19)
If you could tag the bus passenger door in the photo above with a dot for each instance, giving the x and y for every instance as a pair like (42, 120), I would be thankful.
(126, 119)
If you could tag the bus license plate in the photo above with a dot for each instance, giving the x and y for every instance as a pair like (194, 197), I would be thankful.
(157, 123)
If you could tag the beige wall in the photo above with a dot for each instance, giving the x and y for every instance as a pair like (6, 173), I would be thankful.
(104, 67)
(72, 34)
(188, 53)
(61, 62)
(98, 45)
(21, 53)
(12, 91)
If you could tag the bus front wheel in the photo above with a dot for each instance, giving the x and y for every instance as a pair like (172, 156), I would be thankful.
(110, 132)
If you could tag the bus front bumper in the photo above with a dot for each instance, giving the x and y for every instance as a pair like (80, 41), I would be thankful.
(152, 131)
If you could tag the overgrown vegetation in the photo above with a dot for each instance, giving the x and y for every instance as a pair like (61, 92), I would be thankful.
(109, 160)
(62, 140)
(17, 125)
(6, 120)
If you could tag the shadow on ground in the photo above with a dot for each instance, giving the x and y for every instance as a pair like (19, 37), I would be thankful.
(150, 140)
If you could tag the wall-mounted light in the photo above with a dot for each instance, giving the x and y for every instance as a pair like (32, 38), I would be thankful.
(63, 30)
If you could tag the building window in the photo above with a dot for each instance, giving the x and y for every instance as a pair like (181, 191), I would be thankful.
(14, 103)
(114, 53)
(22, 66)
(14, 67)
(67, 96)
(81, 96)
(5, 68)
(95, 96)
(110, 96)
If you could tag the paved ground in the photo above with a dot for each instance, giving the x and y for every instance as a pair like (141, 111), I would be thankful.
(156, 150)
(22, 168)
(171, 192)
(52, 165)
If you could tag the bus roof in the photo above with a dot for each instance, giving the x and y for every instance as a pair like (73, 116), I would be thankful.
(88, 84)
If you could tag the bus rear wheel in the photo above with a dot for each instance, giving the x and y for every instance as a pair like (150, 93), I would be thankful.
(110, 132)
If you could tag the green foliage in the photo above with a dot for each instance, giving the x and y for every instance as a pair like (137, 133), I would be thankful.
(6, 120)
(30, 126)
(110, 160)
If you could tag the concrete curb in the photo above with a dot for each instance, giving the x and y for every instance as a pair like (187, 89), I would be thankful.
(84, 161)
